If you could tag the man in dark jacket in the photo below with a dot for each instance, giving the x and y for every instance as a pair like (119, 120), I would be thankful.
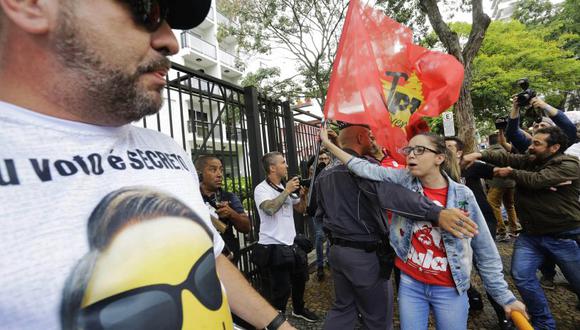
(547, 201)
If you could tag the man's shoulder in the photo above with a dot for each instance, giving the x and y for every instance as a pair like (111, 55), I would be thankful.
(151, 133)
(564, 160)
(262, 187)
(229, 195)
(330, 170)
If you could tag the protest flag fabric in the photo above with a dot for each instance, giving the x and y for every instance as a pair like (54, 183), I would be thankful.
(381, 79)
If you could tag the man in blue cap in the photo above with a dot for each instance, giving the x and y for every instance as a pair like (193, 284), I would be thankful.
(73, 76)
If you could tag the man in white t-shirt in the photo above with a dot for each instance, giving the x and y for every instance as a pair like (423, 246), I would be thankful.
(276, 204)
(73, 76)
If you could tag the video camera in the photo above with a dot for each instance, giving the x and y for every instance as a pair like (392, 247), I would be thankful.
(501, 122)
(530, 116)
(524, 97)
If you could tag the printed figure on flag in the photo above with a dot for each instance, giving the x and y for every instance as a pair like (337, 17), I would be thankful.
(380, 78)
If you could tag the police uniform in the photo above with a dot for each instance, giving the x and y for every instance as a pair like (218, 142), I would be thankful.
(353, 214)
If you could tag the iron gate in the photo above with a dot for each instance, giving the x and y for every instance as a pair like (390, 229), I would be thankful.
(206, 115)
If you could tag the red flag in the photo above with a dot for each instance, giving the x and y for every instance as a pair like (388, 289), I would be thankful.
(380, 78)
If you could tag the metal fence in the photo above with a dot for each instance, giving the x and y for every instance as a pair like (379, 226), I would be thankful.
(206, 115)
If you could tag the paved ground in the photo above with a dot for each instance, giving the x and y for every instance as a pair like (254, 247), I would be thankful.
(319, 297)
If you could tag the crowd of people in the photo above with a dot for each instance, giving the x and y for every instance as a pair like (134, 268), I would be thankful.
(111, 226)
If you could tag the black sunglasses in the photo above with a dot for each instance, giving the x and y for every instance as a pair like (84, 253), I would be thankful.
(155, 306)
(417, 150)
(149, 13)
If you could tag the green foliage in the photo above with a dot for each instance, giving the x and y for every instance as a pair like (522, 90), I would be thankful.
(509, 52)
(407, 12)
(534, 12)
(556, 23)
(435, 124)
(241, 186)
(307, 30)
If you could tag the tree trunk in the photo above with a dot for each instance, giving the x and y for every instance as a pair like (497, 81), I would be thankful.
(464, 106)
(464, 114)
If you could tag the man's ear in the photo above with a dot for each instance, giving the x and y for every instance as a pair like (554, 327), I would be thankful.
(359, 138)
(32, 16)
(554, 148)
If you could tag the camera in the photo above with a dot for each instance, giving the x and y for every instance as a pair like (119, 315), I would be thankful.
(501, 123)
(524, 97)
(303, 182)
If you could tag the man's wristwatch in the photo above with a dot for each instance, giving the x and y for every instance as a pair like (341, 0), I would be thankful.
(276, 322)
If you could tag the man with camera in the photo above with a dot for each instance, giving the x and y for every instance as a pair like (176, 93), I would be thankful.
(284, 261)
(550, 116)
(547, 195)
(225, 207)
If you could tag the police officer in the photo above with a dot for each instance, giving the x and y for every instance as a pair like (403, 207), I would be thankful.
(353, 214)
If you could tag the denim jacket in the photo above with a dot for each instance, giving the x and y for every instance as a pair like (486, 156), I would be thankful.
(459, 251)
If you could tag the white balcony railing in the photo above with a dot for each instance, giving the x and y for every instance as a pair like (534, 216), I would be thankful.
(194, 42)
(228, 59)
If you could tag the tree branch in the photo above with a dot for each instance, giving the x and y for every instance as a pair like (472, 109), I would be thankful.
(447, 37)
(479, 25)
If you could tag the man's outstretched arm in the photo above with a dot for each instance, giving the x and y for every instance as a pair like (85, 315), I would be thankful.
(244, 301)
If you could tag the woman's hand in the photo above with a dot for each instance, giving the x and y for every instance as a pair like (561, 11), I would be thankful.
(516, 306)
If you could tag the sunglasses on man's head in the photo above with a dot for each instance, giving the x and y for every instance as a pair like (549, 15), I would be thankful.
(417, 150)
(149, 13)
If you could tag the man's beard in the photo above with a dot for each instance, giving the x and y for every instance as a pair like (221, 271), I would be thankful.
(109, 95)
(539, 158)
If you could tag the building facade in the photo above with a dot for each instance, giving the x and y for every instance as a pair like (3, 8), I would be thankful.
(502, 9)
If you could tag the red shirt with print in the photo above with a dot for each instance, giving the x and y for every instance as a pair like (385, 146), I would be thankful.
(427, 259)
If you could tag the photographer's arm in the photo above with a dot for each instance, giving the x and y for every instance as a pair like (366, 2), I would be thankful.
(503, 141)
(513, 133)
(515, 113)
(272, 206)
(558, 117)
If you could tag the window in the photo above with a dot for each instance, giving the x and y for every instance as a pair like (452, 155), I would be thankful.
(200, 123)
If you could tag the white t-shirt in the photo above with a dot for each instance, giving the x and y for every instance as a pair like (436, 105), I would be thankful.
(573, 150)
(279, 228)
(52, 175)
